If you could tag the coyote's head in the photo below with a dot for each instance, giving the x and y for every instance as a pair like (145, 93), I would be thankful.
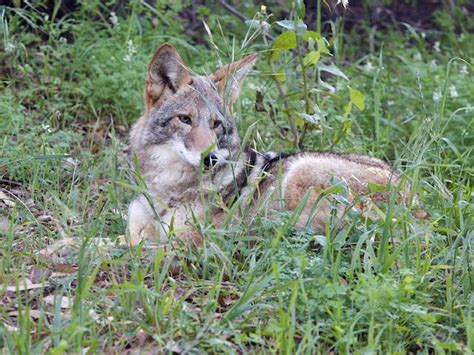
(189, 115)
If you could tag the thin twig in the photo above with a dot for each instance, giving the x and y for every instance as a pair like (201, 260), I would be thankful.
(232, 10)
(294, 131)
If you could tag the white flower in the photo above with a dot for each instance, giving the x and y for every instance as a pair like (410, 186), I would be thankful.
(390, 103)
(114, 19)
(131, 51)
(46, 128)
(452, 91)
(436, 46)
(423, 35)
(464, 70)
(437, 96)
(417, 56)
(368, 67)
(433, 63)
(63, 39)
(345, 3)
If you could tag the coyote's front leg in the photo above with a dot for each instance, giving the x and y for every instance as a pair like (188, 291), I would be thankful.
(141, 222)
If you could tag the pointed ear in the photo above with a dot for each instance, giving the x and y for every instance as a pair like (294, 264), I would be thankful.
(229, 78)
(166, 74)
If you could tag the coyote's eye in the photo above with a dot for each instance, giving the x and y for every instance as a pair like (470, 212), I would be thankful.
(185, 119)
(217, 124)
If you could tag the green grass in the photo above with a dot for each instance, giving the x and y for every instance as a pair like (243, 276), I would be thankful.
(71, 88)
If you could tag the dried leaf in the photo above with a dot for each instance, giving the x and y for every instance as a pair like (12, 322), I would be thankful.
(25, 285)
(7, 200)
(59, 249)
(5, 225)
(65, 302)
(34, 313)
(38, 274)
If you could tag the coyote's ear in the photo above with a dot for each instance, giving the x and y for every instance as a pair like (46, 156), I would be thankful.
(229, 78)
(166, 74)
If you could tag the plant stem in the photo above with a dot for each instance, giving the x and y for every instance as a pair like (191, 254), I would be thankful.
(305, 88)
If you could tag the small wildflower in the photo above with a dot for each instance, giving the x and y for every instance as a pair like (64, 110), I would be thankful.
(263, 8)
(433, 63)
(63, 39)
(368, 67)
(9, 47)
(390, 102)
(344, 3)
(452, 91)
(423, 35)
(417, 57)
(437, 96)
(464, 70)
(113, 19)
(46, 128)
(131, 52)
(436, 46)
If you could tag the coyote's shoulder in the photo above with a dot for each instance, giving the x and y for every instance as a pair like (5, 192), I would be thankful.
(189, 152)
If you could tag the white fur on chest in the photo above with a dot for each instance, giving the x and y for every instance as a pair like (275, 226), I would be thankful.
(166, 170)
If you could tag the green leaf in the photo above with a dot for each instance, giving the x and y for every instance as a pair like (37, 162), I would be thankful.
(323, 45)
(311, 35)
(346, 126)
(300, 8)
(333, 70)
(298, 27)
(283, 42)
(311, 58)
(373, 187)
(309, 118)
(348, 108)
(288, 24)
(357, 98)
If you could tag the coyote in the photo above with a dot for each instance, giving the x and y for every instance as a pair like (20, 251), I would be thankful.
(191, 159)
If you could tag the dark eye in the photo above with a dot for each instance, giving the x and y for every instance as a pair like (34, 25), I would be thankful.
(185, 119)
(217, 124)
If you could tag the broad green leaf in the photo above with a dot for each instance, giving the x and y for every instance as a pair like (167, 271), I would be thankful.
(357, 98)
(311, 34)
(323, 45)
(299, 27)
(311, 58)
(310, 118)
(288, 24)
(283, 42)
(333, 70)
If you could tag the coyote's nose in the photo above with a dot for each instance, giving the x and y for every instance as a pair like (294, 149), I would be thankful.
(210, 160)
